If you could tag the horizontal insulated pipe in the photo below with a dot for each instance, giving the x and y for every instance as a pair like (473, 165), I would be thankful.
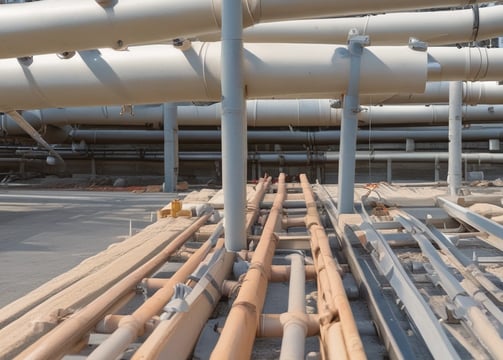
(163, 73)
(433, 27)
(60, 26)
(260, 113)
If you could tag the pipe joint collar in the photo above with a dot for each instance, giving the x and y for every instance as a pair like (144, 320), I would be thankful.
(295, 318)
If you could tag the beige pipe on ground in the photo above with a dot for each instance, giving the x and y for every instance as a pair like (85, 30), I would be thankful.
(176, 337)
(271, 325)
(253, 207)
(329, 278)
(132, 326)
(238, 335)
(56, 343)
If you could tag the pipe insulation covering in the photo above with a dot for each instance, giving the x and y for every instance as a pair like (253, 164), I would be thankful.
(63, 25)
(162, 73)
(480, 92)
(260, 113)
(435, 28)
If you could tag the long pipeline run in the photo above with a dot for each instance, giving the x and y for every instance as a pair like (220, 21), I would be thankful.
(340, 336)
(238, 334)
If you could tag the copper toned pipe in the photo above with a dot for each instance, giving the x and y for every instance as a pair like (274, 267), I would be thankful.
(238, 334)
(56, 343)
(271, 325)
(253, 207)
(132, 326)
(281, 273)
(331, 286)
(176, 337)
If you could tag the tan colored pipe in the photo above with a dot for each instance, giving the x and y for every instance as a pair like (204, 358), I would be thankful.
(253, 208)
(271, 325)
(329, 277)
(281, 273)
(175, 338)
(238, 334)
(56, 343)
(132, 326)
(292, 221)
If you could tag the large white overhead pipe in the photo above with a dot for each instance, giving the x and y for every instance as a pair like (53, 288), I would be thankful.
(160, 73)
(260, 113)
(434, 27)
(60, 26)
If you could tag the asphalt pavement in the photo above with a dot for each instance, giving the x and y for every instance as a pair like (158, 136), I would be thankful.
(44, 233)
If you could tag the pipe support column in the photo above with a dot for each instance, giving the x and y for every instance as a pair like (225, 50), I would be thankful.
(170, 122)
(455, 144)
(234, 136)
(349, 125)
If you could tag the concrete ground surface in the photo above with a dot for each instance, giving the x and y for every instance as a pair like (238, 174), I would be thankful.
(44, 233)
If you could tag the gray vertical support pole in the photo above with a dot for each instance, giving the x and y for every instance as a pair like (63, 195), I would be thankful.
(455, 146)
(349, 124)
(170, 124)
(93, 169)
(234, 137)
(437, 169)
(389, 171)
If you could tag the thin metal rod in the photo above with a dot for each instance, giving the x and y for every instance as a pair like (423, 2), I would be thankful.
(25, 125)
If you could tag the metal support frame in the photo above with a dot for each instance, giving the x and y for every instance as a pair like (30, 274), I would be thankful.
(477, 221)
(455, 144)
(349, 124)
(418, 310)
(170, 123)
(234, 127)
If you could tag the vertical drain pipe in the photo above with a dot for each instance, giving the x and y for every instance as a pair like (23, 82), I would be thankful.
(234, 137)
(170, 113)
(349, 124)
(455, 145)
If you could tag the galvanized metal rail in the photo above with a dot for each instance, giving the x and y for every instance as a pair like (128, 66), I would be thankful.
(447, 303)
